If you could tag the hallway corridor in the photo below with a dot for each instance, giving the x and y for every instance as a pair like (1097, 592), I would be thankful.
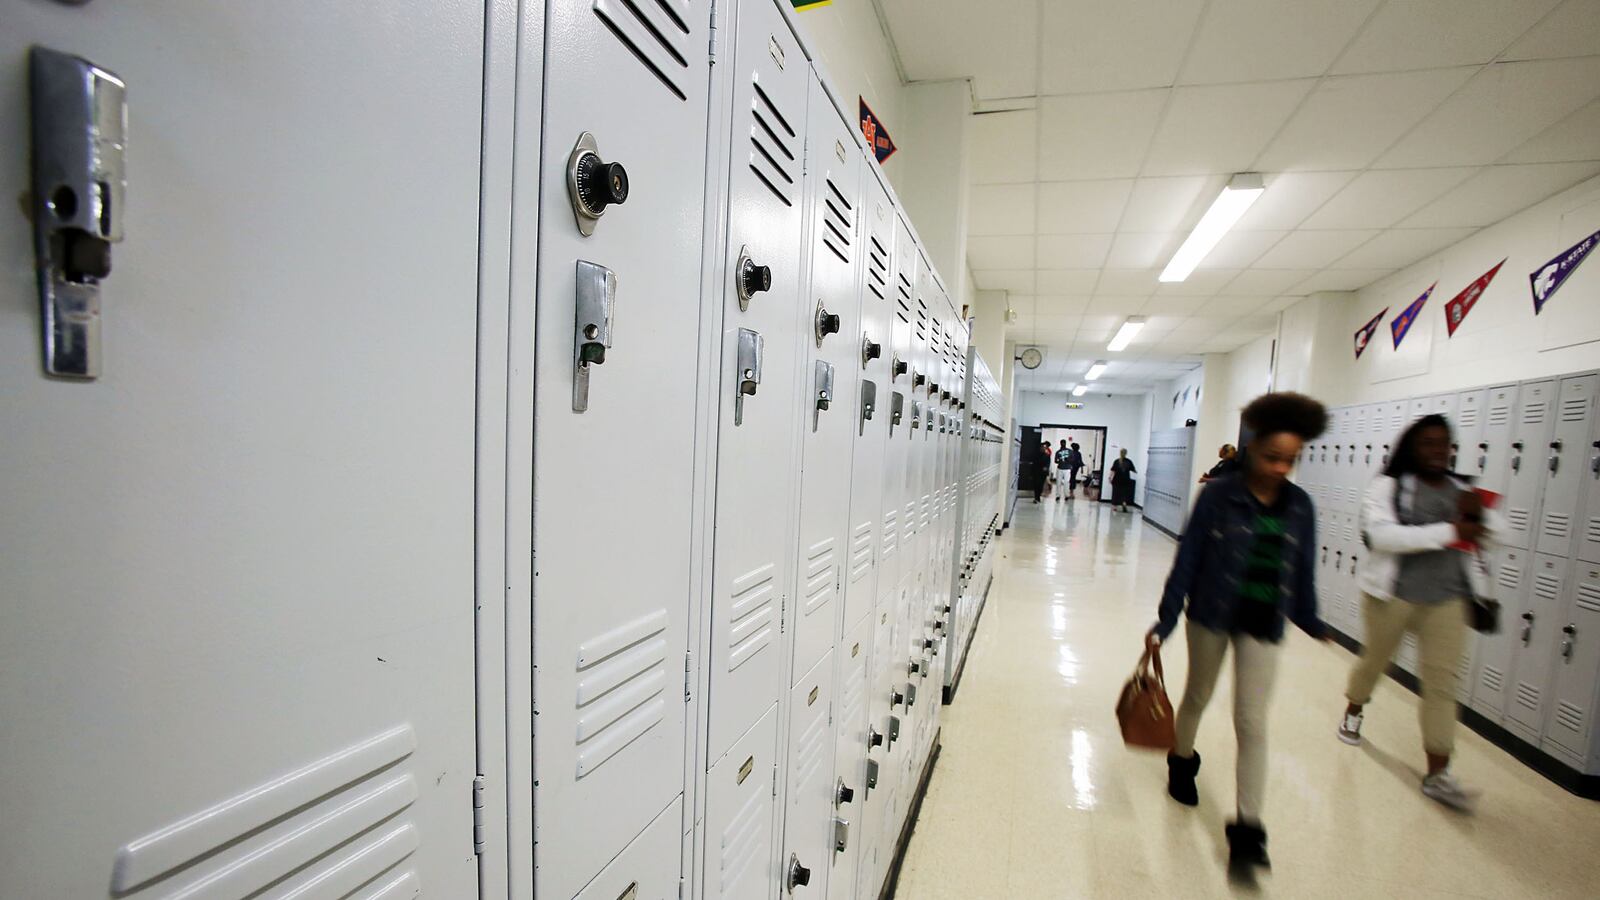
(1035, 796)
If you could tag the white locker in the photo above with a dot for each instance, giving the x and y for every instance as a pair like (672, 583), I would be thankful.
(1390, 422)
(1539, 624)
(1494, 441)
(610, 656)
(1565, 468)
(739, 853)
(1577, 668)
(762, 352)
(831, 320)
(1417, 407)
(879, 783)
(650, 867)
(851, 754)
(1468, 456)
(1511, 573)
(232, 606)
(808, 826)
(1374, 435)
(1530, 437)
(1588, 539)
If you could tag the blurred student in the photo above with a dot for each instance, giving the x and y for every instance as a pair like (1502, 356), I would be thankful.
(1043, 459)
(1227, 464)
(1063, 472)
(1122, 471)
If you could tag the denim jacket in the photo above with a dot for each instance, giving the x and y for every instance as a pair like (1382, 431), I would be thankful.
(1214, 551)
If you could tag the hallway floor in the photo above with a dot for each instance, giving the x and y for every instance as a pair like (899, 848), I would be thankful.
(1035, 796)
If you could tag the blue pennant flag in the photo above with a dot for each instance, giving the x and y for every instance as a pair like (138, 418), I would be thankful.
(1408, 316)
(1552, 274)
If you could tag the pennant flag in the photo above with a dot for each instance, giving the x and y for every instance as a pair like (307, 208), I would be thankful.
(1461, 304)
(808, 4)
(1408, 316)
(1364, 333)
(1552, 274)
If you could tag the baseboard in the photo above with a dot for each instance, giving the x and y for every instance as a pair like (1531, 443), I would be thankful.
(1586, 786)
(1163, 529)
(949, 692)
(892, 879)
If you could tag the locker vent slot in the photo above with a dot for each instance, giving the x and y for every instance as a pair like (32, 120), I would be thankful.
(1557, 525)
(819, 575)
(1527, 696)
(861, 551)
(744, 844)
(1591, 531)
(655, 36)
(622, 676)
(877, 269)
(891, 532)
(855, 693)
(1573, 409)
(903, 285)
(1589, 596)
(1510, 576)
(1468, 417)
(838, 220)
(1569, 717)
(1534, 414)
(1546, 587)
(339, 822)
(750, 614)
(812, 751)
(771, 138)
(1517, 519)
(1500, 414)
(1493, 678)
(912, 523)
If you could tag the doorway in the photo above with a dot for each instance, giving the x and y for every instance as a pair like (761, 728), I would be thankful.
(1091, 440)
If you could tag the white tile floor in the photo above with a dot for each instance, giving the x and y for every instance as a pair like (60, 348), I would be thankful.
(1036, 797)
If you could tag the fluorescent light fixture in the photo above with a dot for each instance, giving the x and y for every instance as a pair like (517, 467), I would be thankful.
(1242, 190)
(1095, 370)
(1125, 334)
(1080, 390)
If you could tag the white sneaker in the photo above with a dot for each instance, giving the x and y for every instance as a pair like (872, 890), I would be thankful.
(1445, 788)
(1350, 729)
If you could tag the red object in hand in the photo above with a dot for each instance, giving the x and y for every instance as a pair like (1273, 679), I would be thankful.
(1490, 499)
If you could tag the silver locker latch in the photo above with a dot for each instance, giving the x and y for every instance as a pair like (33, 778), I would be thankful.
(841, 834)
(894, 730)
(822, 391)
(591, 336)
(869, 402)
(1567, 643)
(897, 409)
(1555, 456)
(750, 344)
(80, 124)
(916, 414)
(872, 774)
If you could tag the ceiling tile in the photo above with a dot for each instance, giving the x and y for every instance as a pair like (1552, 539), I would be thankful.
(1016, 281)
(1430, 34)
(1497, 192)
(991, 252)
(1170, 204)
(1290, 197)
(1132, 282)
(1346, 122)
(1279, 304)
(1096, 135)
(1228, 305)
(1200, 283)
(1572, 30)
(1001, 209)
(1067, 281)
(1139, 250)
(1061, 305)
(1113, 305)
(1252, 40)
(1082, 207)
(1267, 282)
(1099, 46)
(1577, 137)
(1073, 251)
(1340, 280)
(967, 39)
(1498, 109)
(1380, 198)
(1003, 146)
(1168, 305)
(1400, 247)
(1312, 249)
(1238, 249)
(1221, 128)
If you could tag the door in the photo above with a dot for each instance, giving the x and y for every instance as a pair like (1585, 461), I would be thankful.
(1571, 724)
(1468, 457)
(740, 819)
(1540, 630)
(1510, 570)
(852, 687)
(231, 605)
(610, 644)
(831, 323)
(1528, 455)
(1589, 531)
(1565, 464)
(808, 819)
(869, 515)
(761, 360)
(1494, 443)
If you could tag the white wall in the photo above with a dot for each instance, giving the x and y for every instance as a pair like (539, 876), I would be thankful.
(1126, 418)
(859, 62)
(1167, 412)
(932, 175)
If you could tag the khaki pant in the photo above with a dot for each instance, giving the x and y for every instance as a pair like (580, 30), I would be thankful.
(1255, 669)
(1441, 630)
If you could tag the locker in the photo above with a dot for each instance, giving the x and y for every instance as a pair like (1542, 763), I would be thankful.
(1565, 468)
(1443, 405)
(649, 867)
(879, 784)
(739, 853)
(1530, 437)
(1511, 573)
(610, 658)
(1417, 407)
(851, 756)
(1467, 669)
(1539, 630)
(1577, 668)
(1588, 539)
(1494, 444)
(762, 354)
(830, 320)
(808, 821)
(1468, 456)
(1391, 421)
(176, 637)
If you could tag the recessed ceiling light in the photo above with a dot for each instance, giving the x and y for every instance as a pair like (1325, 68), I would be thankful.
(1242, 190)
(1124, 335)
(1094, 371)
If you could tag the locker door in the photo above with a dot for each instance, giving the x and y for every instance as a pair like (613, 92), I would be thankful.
(1565, 468)
(851, 752)
(610, 651)
(878, 784)
(757, 431)
(831, 321)
(1392, 421)
(1530, 439)
(1510, 569)
(1352, 591)
(1589, 528)
(230, 606)
(1469, 457)
(869, 522)
(808, 830)
(1539, 626)
(1571, 725)
(1443, 405)
(739, 861)
(1494, 443)
(1417, 407)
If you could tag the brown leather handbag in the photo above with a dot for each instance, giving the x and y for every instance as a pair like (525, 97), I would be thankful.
(1143, 710)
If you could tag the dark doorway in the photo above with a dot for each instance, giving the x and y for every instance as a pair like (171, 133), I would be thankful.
(1093, 444)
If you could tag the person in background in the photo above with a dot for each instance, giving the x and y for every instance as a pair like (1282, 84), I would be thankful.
(1245, 565)
(1122, 470)
(1227, 464)
(1415, 580)
(1074, 465)
(1063, 472)
(1044, 471)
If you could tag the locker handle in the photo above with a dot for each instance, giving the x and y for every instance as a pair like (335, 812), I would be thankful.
(749, 360)
(822, 388)
(1571, 632)
(1527, 628)
(841, 834)
(593, 310)
(1555, 456)
(872, 774)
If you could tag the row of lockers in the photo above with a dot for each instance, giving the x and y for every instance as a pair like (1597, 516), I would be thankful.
(1168, 476)
(1537, 444)
(622, 555)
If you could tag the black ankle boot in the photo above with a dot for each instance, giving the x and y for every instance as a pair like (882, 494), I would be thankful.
(1247, 846)
(1180, 778)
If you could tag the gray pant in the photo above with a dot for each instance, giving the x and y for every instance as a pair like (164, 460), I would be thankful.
(1255, 670)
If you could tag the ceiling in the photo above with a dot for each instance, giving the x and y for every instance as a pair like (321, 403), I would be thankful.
(1385, 129)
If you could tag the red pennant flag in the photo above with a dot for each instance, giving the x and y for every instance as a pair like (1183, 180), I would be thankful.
(1456, 310)
(1364, 333)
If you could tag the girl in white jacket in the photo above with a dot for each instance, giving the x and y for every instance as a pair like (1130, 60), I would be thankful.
(1415, 581)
